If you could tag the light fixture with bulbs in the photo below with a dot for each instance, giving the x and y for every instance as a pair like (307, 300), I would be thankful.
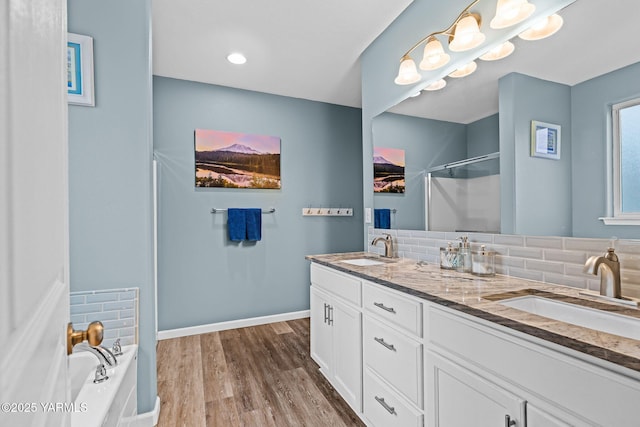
(464, 34)
(543, 28)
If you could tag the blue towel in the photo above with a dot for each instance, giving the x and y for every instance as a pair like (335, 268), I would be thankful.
(254, 224)
(382, 218)
(237, 224)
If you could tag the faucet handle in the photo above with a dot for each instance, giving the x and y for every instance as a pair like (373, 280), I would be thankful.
(101, 374)
(116, 348)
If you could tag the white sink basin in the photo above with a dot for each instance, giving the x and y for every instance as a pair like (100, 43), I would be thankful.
(578, 315)
(362, 261)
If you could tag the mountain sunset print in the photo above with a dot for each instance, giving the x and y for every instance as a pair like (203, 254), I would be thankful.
(388, 170)
(236, 160)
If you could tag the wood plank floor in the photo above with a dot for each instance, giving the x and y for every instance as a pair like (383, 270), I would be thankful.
(261, 376)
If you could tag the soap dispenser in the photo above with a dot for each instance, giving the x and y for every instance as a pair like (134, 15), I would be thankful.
(464, 264)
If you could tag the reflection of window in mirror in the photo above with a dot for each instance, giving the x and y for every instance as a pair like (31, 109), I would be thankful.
(626, 161)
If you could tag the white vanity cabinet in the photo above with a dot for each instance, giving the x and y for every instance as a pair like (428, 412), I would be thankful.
(492, 373)
(336, 331)
(392, 358)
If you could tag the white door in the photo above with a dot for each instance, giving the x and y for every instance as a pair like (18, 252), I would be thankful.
(462, 398)
(321, 330)
(34, 289)
(347, 352)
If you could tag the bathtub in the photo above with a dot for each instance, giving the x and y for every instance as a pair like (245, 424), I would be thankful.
(110, 403)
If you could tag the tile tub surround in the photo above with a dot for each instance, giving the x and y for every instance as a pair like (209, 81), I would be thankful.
(554, 260)
(465, 293)
(117, 309)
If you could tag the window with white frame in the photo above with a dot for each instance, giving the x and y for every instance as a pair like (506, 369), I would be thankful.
(626, 163)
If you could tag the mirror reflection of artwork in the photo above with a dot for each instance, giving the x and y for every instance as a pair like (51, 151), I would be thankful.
(236, 160)
(388, 170)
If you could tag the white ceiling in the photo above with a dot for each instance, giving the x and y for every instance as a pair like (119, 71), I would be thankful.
(294, 48)
(597, 37)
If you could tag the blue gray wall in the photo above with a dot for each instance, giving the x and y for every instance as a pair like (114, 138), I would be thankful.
(110, 178)
(204, 278)
(591, 129)
(483, 136)
(536, 192)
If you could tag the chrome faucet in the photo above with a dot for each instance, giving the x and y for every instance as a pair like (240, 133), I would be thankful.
(609, 268)
(104, 355)
(388, 244)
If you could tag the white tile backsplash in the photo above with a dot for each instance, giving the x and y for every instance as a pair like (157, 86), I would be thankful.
(117, 309)
(557, 260)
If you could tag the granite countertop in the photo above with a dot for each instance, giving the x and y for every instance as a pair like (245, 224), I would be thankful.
(475, 296)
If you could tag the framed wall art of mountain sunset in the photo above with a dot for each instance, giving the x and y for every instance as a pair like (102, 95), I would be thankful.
(388, 170)
(236, 160)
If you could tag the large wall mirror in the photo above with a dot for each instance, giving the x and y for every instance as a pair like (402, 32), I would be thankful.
(570, 79)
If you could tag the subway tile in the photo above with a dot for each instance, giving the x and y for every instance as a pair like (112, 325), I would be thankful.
(508, 239)
(77, 319)
(629, 261)
(438, 235)
(526, 253)
(453, 236)
(128, 295)
(481, 238)
(124, 314)
(574, 257)
(103, 297)
(411, 241)
(120, 305)
(631, 290)
(77, 293)
(543, 242)
(502, 269)
(576, 270)
(561, 279)
(590, 245)
(102, 316)
(630, 277)
(510, 261)
(401, 233)
(545, 266)
(86, 308)
(628, 246)
(419, 234)
(526, 274)
(117, 324)
(77, 299)
(126, 332)
(418, 249)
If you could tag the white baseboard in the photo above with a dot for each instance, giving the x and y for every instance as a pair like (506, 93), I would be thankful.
(233, 324)
(148, 419)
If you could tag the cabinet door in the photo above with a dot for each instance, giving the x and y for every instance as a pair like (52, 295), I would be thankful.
(347, 352)
(460, 398)
(321, 330)
(538, 418)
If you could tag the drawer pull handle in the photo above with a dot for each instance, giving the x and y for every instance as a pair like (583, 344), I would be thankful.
(390, 409)
(385, 308)
(330, 315)
(326, 315)
(381, 341)
(508, 422)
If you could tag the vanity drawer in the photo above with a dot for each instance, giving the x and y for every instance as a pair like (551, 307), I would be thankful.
(342, 285)
(403, 312)
(395, 357)
(385, 408)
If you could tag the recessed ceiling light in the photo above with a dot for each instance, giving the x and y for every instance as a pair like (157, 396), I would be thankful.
(236, 58)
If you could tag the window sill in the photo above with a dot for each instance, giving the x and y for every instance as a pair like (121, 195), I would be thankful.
(620, 221)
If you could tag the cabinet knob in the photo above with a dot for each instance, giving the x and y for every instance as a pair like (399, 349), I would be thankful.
(508, 422)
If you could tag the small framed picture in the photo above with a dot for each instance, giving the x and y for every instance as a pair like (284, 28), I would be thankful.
(545, 140)
(80, 70)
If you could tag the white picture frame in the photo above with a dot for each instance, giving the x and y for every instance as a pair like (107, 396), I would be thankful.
(545, 140)
(80, 70)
